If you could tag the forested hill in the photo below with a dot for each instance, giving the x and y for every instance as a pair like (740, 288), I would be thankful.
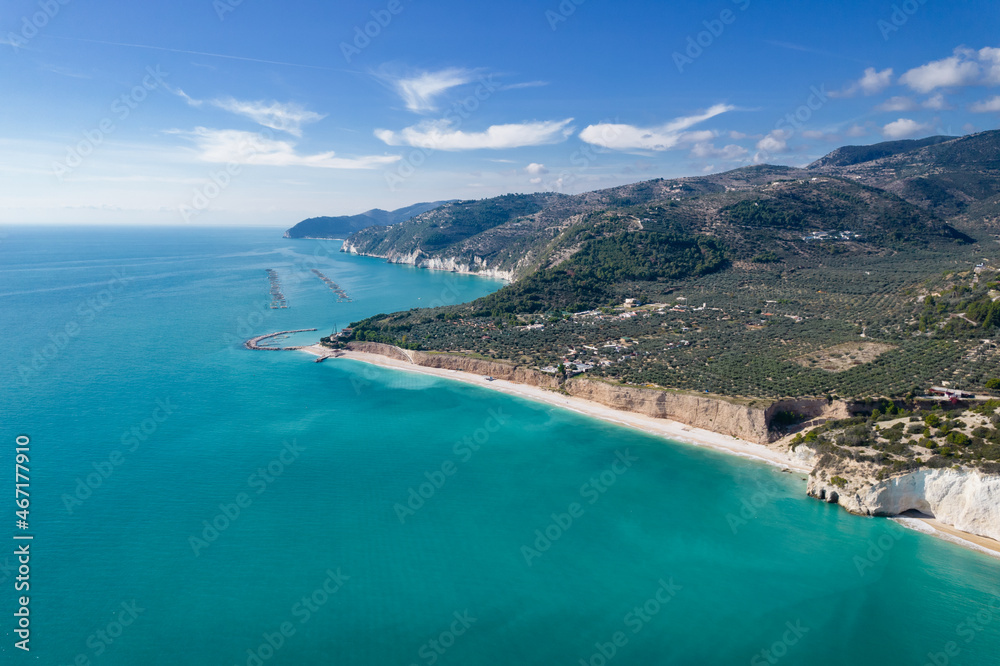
(898, 191)
(872, 278)
(344, 225)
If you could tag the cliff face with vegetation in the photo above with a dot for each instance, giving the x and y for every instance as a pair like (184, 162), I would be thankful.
(966, 499)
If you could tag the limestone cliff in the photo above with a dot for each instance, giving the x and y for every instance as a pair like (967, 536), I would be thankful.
(966, 499)
(746, 420)
(474, 266)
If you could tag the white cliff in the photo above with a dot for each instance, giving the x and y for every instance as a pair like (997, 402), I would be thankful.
(966, 499)
(477, 266)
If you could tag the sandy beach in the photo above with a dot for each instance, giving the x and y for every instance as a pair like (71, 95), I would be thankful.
(956, 536)
(672, 430)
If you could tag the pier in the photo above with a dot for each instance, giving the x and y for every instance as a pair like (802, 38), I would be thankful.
(255, 343)
(342, 296)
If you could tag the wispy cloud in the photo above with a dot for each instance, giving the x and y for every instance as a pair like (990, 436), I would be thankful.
(239, 147)
(420, 92)
(183, 95)
(664, 137)
(443, 135)
(284, 116)
(729, 153)
(905, 128)
(287, 117)
(898, 103)
(526, 84)
(991, 105)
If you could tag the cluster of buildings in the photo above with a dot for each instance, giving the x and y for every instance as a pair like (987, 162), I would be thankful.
(832, 235)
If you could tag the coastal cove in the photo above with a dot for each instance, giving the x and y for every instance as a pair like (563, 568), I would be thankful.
(317, 458)
(672, 431)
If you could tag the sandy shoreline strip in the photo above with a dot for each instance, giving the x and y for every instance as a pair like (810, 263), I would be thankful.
(671, 430)
(659, 427)
(956, 536)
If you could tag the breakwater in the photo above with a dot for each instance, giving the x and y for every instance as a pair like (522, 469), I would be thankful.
(255, 343)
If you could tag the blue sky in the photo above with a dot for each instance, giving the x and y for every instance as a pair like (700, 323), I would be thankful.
(244, 112)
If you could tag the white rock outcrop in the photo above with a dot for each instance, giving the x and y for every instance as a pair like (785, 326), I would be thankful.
(417, 258)
(967, 499)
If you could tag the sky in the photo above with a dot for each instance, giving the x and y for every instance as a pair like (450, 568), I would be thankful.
(253, 113)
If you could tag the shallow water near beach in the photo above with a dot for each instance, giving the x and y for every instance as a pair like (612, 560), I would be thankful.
(196, 503)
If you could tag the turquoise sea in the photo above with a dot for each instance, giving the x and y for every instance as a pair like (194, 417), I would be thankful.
(196, 503)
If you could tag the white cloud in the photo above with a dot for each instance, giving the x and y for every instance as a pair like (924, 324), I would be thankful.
(420, 92)
(288, 117)
(536, 169)
(990, 105)
(775, 142)
(730, 153)
(236, 146)
(898, 103)
(664, 137)
(904, 128)
(870, 83)
(442, 135)
(958, 70)
(937, 102)
(990, 58)
(856, 131)
(874, 82)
